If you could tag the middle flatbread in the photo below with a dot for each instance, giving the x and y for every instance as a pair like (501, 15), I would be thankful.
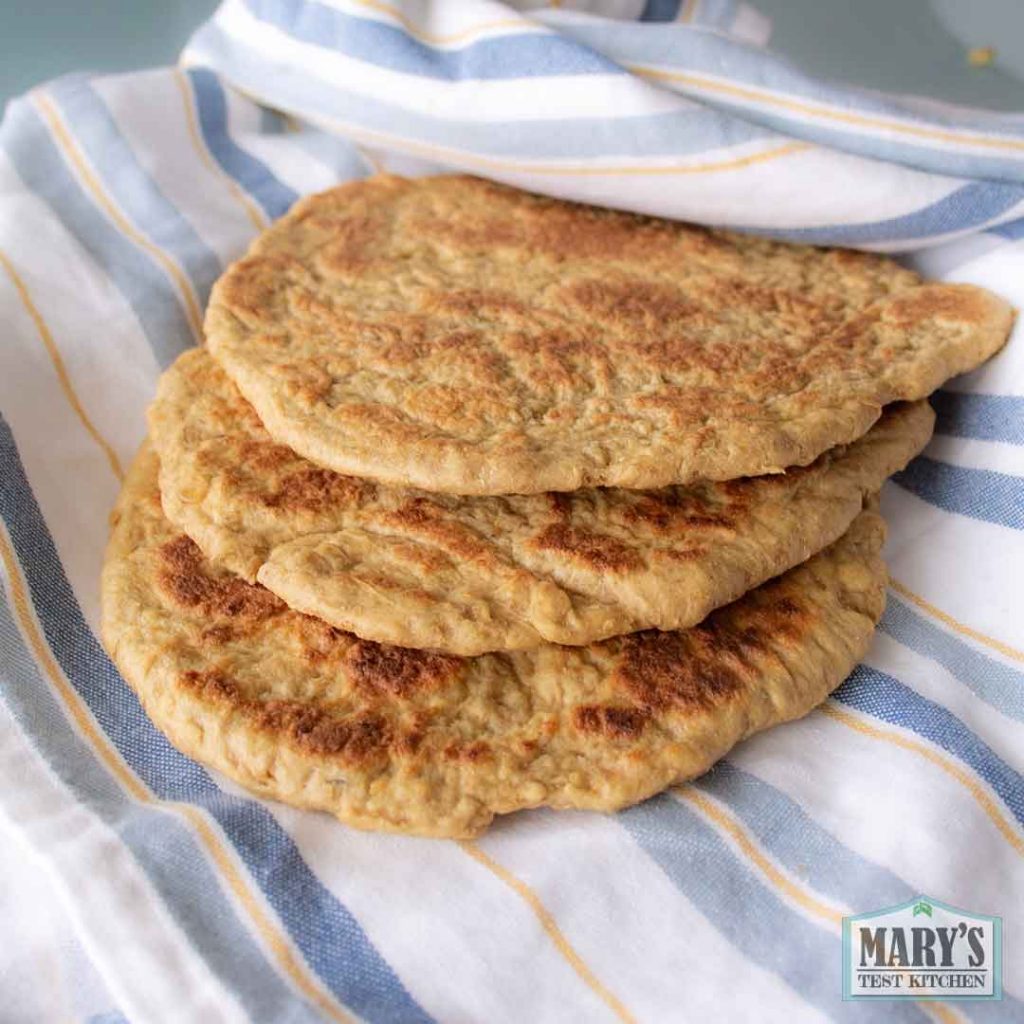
(467, 575)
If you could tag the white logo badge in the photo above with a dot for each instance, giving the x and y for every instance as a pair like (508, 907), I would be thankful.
(922, 949)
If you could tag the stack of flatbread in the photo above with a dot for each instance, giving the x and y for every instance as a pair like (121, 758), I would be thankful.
(477, 501)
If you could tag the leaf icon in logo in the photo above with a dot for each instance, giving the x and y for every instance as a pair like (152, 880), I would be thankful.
(922, 908)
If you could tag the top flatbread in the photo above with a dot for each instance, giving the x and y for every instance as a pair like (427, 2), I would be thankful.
(472, 574)
(460, 336)
(415, 741)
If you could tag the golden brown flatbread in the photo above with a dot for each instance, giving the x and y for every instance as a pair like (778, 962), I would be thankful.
(425, 743)
(460, 336)
(466, 575)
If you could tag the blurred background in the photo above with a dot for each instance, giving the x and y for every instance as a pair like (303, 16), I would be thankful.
(967, 51)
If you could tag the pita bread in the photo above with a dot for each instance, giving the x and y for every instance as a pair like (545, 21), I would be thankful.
(465, 337)
(425, 743)
(466, 575)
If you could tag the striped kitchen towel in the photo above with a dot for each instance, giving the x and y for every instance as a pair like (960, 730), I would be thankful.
(169, 894)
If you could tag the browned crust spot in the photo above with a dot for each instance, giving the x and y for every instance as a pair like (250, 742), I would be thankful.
(593, 549)
(923, 304)
(264, 456)
(710, 664)
(253, 289)
(426, 521)
(467, 753)
(218, 635)
(398, 671)
(612, 721)
(632, 301)
(470, 302)
(419, 512)
(317, 731)
(182, 577)
(665, 671)
(675, 508)
(312, 489)
(351, 241)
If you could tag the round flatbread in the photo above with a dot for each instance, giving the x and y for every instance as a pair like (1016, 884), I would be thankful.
(466, 575)
(461, 336)
(425, 743)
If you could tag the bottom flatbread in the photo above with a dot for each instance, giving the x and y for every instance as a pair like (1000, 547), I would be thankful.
(429, 744)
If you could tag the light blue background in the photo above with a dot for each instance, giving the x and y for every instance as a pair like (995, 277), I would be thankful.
(898, 45)
(40, 39)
